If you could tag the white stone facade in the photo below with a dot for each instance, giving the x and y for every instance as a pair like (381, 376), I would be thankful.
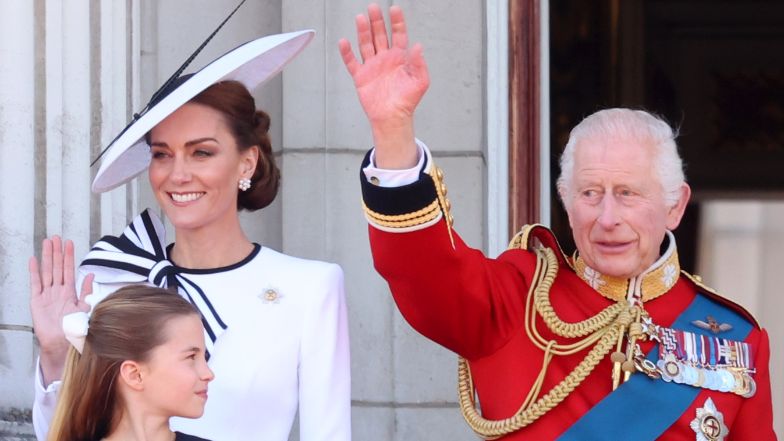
(73, 71)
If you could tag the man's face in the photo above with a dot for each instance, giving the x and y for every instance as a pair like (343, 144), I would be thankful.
(617, 209)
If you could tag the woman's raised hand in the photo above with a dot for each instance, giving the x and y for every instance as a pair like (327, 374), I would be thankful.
(390, 82)
(52, 296)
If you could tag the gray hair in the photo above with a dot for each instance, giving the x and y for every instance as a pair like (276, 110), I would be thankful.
(627, 124)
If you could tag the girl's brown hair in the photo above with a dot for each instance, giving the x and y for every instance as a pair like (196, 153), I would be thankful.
(249, 127)
(126, 325)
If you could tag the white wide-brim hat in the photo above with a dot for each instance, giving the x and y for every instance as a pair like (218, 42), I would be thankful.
(251, 64)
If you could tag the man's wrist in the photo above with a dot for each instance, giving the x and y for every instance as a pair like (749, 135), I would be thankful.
(395, 147)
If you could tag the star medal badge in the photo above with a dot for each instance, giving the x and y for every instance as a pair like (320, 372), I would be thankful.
(709, 423)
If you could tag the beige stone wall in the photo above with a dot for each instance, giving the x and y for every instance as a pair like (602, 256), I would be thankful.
(741, 256)
(403, 385)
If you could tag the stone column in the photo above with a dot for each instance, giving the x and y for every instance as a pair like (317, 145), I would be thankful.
(17, 186)
(68, 118)
(403, 385)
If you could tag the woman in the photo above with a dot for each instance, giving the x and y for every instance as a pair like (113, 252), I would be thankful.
(275, 326)
(139, 362)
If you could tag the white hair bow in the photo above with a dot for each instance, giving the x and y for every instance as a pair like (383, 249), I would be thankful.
(76, 324)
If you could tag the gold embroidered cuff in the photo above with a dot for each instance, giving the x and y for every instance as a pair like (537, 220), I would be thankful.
(408, 220)
(410, 207)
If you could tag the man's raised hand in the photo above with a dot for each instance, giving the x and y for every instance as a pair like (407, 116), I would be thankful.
(390, 82)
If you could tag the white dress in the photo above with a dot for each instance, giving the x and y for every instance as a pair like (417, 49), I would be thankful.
(285, 349)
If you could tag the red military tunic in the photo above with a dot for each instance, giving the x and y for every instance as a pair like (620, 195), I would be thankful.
(475, 306)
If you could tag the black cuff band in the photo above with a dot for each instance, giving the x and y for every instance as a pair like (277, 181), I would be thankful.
(394, 201)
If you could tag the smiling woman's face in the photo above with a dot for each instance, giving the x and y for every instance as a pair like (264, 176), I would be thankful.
(196, 167)
(617, 211)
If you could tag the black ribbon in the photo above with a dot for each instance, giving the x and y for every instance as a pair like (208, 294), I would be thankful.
(139, 255)
(169, 85)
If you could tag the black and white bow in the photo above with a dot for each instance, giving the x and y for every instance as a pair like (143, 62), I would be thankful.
(139, 255)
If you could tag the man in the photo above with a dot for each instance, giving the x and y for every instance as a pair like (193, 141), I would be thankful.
(614, 343)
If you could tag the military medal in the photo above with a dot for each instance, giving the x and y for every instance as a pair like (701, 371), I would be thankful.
(700, 378)
(752, 386)
(727, 381)
(740, 383)
(689, 375)
(711, 380)
(672, 368)
(703, 361)
(709, 423)
(669, 368)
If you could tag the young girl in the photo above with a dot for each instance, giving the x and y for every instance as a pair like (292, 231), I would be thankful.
(139, 361)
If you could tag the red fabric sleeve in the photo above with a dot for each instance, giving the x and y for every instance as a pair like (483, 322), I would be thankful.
(754, 420)
(458, 298)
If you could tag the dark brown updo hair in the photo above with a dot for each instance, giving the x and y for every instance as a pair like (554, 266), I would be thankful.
(249, 127)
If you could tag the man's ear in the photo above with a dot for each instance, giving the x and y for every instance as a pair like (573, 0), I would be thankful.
(131, 375)
(675, 212)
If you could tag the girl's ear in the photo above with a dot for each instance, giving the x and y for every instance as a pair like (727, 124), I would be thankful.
(131, 375)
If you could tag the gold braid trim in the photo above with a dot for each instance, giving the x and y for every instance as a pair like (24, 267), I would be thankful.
(579, 329)
(406, 224)
(438, 180)
(418, 217)
(494, 429)
(697, 280)
(606, 330)
(422, 216)
(655, 282)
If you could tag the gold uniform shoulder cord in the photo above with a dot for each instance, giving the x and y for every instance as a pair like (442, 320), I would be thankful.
(604, 330)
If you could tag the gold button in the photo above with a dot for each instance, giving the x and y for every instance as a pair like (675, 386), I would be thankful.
(270, 295)
(374, 180)
(698, 278)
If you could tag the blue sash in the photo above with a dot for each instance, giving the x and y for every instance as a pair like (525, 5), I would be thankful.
(642, 408)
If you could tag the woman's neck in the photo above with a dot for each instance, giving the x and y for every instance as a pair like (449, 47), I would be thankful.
(141, 428)
(214, 247)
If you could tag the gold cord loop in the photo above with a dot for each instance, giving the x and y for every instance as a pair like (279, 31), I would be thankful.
(604, 331)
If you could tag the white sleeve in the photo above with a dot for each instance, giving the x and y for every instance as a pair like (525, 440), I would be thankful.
(44, 404)
(396, 178)
(45, 400)
(324, 370)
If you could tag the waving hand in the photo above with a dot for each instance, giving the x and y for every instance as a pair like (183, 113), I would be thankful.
(52, 296)
(390, 82)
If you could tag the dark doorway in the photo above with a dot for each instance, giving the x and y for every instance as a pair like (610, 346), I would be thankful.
(712, 68)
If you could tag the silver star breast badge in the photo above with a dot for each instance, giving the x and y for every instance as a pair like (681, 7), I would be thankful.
(709, 424)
